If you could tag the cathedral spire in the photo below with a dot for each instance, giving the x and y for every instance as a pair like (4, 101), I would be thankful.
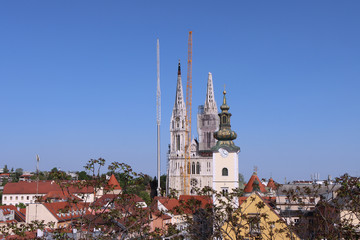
(179, 107)
(225, 135)
(179, 69)
(210, 104)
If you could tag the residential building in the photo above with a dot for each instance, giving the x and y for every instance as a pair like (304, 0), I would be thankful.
(28, 192)
(251, 222)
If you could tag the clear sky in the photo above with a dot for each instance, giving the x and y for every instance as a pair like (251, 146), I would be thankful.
(78, 81)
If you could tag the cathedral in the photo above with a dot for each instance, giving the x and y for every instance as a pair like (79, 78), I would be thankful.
(203, 149)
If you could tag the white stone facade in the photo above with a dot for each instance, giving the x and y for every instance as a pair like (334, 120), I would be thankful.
(201, 156)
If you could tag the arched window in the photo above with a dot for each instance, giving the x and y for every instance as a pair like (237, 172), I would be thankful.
(193, 168)
(197, 168)
(182, 123)
(225, 172)
(178, 142)
(173, 124)
(224, 119)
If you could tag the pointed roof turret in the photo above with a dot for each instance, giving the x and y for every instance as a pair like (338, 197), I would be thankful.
(113, 183)
(225, 135)
(179, 106)
(271, 184)
(254, 184)
(210, 104)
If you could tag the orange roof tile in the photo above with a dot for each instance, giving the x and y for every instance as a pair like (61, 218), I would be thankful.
(203, 199)
(113, 183)
(62, 195)
(20, 215)
(44, 188)
(169, 203)
(249, 186)
(271, 184)
(64, 211)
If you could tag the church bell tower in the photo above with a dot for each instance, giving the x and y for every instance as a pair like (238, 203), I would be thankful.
(225, 154)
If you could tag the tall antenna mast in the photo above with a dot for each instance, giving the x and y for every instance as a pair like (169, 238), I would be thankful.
(158, 114)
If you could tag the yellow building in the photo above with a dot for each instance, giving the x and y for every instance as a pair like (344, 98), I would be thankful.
(255, 219)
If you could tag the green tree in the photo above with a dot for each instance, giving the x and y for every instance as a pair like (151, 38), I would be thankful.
(83, 176)
(6, 170)
(163, 182)
(21, 205)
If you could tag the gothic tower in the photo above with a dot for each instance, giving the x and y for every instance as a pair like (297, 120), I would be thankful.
(208, 119)
(177, 137)
(201, 155)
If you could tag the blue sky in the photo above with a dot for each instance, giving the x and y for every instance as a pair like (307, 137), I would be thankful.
(78, 81)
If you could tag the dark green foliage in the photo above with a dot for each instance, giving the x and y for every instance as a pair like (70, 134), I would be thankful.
(83, 176)
(6, 170)
(21, 205)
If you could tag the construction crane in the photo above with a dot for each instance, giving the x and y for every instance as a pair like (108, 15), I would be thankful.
(187, 167)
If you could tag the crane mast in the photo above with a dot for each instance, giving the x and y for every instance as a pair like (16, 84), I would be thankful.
(187, 167)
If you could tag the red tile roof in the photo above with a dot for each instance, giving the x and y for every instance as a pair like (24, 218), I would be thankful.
(19, 215)
(60, 195)
(271, 184)
(249, 186)
(7, 209)
(64, 211)
(203, 199)
(113, 183)
(169, 203)
(43, 188)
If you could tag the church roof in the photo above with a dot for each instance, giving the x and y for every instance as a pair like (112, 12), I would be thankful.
(253, 181)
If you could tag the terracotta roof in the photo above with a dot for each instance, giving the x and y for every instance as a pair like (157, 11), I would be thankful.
(44, 188)
(249, 186)
(60, 195)
(169, 203)
(120, 201)
(113, 183)
(64, 211)
(271, 184)
(242, 199)
(7, 209)
(203, 199)
(161, 215)
(19, 214)
(23, 211)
